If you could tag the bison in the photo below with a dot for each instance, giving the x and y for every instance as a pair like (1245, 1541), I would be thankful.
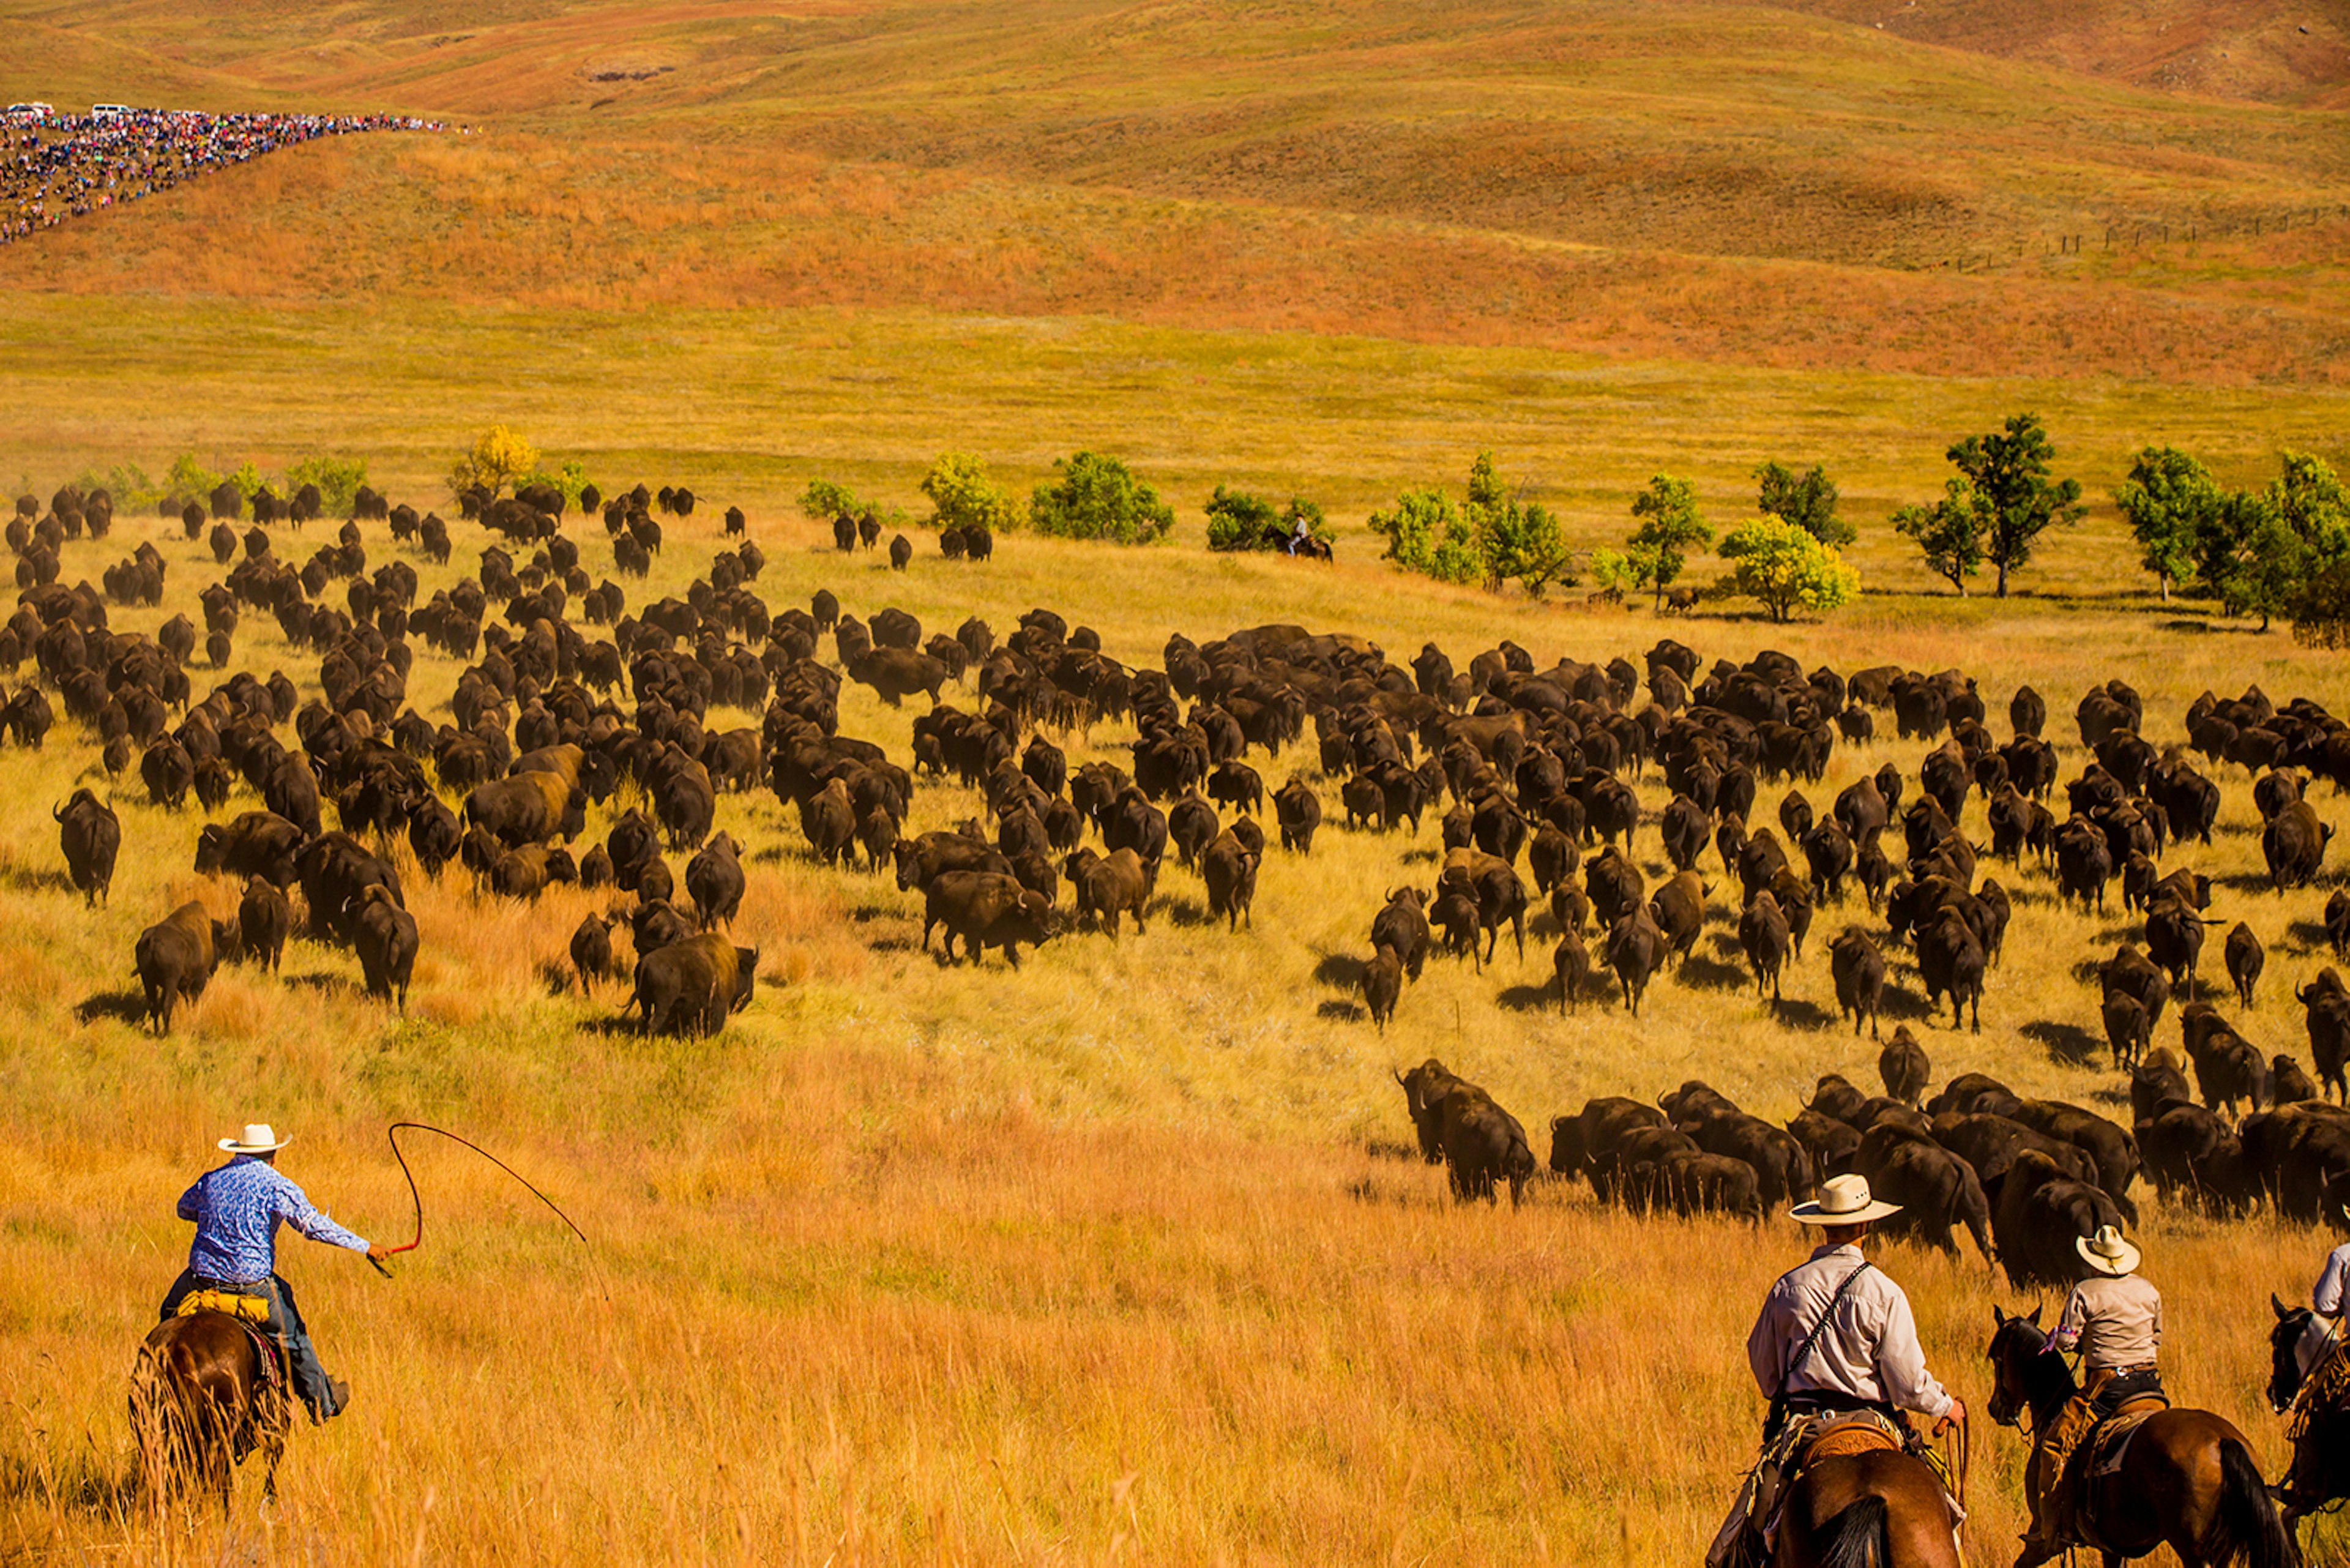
(91, 836)
(175, 958)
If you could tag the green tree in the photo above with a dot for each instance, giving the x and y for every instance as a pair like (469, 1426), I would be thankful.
(247, 480)
(824, 499)
(338, 479)
(2014, 500)
(2245, 555)
(498, 458)
(1808, 500)
(1670, 527)
(1426, 532)
(1097, 498)
(962, 496)
(1781, 565)
(2166, 501)
(1514, 542)
(1949, 531)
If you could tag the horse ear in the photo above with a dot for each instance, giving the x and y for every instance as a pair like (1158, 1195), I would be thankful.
(2035, 1319)
(2278, 1307)
(1997, 1318)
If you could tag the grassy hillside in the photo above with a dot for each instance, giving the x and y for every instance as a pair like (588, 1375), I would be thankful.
(1683, 181)
(1116, 1258)
(1110, 1257)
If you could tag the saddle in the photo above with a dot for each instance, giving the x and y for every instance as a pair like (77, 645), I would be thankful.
(2326, 1390)
(2101, 1454)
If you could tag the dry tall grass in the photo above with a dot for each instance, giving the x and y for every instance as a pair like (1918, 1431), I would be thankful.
(1110, 1258)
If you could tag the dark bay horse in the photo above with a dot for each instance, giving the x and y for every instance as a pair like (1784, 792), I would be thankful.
(2320, 1455)
(202, 1399)
(1865, 1510)
(2188, 1482)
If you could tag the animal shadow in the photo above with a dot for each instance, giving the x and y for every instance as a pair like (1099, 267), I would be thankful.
(1184, 913)
(2068, 1044)
(2246, 882)
(1801, 1013)
(1343, 971)
(1340, 1009)
(126, 1006)
(1528, 998)
(1900, 1002)
(1707, 973)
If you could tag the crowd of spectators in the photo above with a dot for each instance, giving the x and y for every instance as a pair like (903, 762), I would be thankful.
(57, 166)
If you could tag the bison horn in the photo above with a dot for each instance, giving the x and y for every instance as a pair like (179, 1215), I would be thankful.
(1397, 1077)
(56, 814)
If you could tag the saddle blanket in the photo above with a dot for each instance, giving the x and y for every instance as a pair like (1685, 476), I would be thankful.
(244, 1309)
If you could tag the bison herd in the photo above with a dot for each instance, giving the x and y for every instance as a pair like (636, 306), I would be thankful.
(1531, 771)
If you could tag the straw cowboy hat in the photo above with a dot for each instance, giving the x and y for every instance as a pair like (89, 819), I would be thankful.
(2108, 1254)
(1842, 1200)
(258, 1140)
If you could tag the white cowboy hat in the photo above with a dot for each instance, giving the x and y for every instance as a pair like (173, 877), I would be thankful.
(2108, 1254)
(1842, 1200)
(258, 1140)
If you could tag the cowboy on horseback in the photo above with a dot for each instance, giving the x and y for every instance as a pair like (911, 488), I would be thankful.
(1836, 1342)
(2113, 1318)
(236, 1209)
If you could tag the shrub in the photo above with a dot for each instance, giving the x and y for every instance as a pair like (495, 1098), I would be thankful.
(824, 499)
(1489, 539)
(569, 481)
(1097, 498)
(498, 458)
(962, 496)
(127, 483)
(1781, 565)
(188, 480)
(338, 479)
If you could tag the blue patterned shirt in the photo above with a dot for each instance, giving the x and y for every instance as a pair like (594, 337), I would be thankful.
(236, 1210)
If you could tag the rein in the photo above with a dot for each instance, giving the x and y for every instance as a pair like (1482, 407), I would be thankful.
(391, 1136)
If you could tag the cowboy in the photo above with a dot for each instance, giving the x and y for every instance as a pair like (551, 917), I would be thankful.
(237, 1208)
(2333, 1280)
(1836, 1337)
(2114, 1319)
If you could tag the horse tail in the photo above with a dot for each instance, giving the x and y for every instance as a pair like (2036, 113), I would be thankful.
(1858, 1537)
(2246, 1527)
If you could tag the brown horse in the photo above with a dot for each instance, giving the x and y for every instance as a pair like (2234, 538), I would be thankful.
(2319, 1473)
(2187, 1481)
(202, 1399)
(1865, 1510)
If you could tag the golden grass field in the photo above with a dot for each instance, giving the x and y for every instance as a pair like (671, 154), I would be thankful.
(1114, 1259)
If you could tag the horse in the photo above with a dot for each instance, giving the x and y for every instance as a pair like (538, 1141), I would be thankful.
(2320, 1471)
(1879, 1510)
(202, 1399)
(2187, 1481)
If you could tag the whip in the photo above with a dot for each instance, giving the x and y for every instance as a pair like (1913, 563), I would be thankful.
(392, 1134)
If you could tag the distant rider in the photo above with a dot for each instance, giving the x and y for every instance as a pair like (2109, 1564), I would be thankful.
(1836, 1337)
(237, 1208)
(2114, 1319)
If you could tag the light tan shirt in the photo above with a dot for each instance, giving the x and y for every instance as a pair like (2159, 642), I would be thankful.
(2113, 1323)
(1868, 1351)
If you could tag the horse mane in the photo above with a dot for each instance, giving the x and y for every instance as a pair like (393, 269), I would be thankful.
(2047, 1381)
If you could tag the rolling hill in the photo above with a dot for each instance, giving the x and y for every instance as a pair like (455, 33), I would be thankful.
(1683, 181)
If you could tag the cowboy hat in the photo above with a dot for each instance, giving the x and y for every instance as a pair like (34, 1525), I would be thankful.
(2106, 1252)
(258, 1140)
(1842, 1200)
